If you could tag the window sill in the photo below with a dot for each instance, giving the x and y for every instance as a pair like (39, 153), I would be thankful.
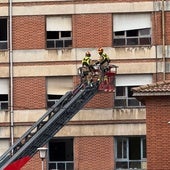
(129, 107)
(131, 46)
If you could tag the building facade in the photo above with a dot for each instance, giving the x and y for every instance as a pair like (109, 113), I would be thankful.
(156, 99)
(42, 44)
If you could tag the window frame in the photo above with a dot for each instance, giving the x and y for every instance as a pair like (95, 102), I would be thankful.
(127, 39)
(4, 42)
(126, 98)
(4, 103)
(127, 159)
(60, 39)
(54, 152)
(59, 32)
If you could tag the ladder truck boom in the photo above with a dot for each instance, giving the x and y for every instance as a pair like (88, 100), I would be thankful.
(49, 124)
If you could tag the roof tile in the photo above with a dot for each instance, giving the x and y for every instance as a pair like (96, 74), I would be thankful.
(163, 86)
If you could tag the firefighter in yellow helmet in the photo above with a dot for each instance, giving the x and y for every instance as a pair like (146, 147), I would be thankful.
(103, 59)
(87, 66)
(87, 62)
(103, 62)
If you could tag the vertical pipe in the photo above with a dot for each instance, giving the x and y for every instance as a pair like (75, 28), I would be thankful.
(155, 26)
(11, 75)
(163, 40)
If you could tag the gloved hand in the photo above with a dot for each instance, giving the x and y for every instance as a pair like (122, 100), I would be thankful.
(97, 62)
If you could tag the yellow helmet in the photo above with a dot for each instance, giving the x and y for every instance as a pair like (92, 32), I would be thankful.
(100, 49)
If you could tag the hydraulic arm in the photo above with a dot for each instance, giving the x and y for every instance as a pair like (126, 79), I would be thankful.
(47, 126)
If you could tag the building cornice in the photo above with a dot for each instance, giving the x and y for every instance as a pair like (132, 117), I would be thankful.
(80, 8)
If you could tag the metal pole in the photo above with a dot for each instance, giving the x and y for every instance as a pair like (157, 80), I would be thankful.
(11, 78)
(163, 40)
(42, 164)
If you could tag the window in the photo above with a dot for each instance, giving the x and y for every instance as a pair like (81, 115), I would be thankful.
(3, 101)
(124, 98)
(52, 99)
(3, 33)
(124, 83)
(61, 154)
(57, 87)
(59, 34)
(4, 91)
(130, 153)
(132, 30)
(132, 37)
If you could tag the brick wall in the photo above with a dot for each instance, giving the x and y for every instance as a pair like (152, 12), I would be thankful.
(92, 30)
(100, 100)
(93, 153)
(157, 28)
(158, 130)
(167, 32)
(29, 32)
(34, 163)
(29, 93)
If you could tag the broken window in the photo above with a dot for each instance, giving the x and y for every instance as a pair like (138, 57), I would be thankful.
(3, 33)
(59, 32)
(131, 30)
(61, 154)
(130, 153)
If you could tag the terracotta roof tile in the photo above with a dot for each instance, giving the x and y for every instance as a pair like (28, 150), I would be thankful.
(158, 87)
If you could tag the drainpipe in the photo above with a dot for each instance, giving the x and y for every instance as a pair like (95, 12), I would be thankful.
(11, 75)
(163, 40)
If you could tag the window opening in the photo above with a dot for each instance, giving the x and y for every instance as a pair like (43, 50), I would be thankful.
(133, 147)
(52, 35)
(3, 33)
(3, 101)
(124, 97)
(59, 39)
(132, 33)
(61, 154)
(52, 99)
(132, 37)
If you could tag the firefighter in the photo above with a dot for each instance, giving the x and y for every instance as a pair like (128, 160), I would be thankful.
(103, 60)
(87, 67)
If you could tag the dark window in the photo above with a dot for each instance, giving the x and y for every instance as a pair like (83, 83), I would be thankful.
(65, 33)
(50, 43)
(130, 153)
(3, 33)
(52, 35)
(59, 43)
(132, 41)
(3, 101)
(132, 33)
(52, 99)
(132, 37)
(59, 39)
(61, 154)
(68, 43)
(119, 33)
